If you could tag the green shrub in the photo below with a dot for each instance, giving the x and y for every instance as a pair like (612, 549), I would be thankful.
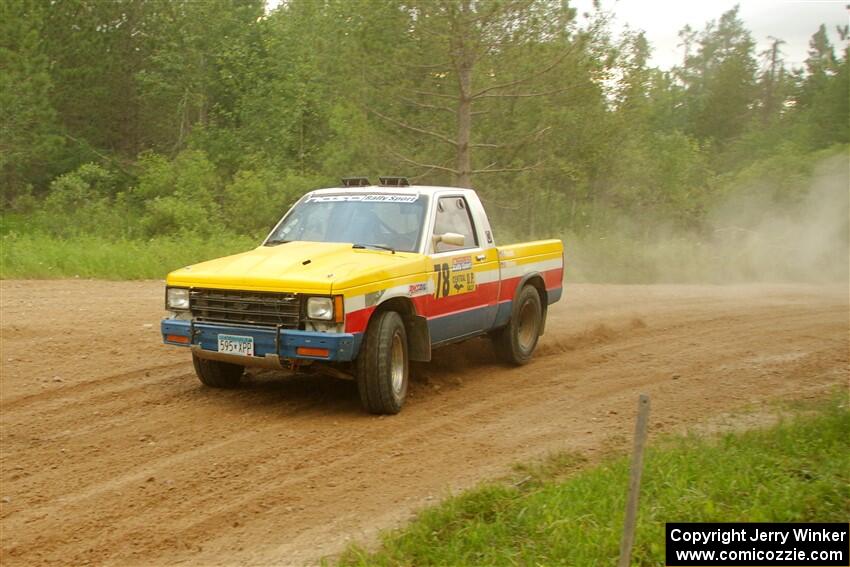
(190, 173)
(88, 182)
(177, 214)
(179, 196)
(83, 201)
(250, 202)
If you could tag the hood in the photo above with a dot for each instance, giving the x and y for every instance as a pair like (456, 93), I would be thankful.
(300, 267)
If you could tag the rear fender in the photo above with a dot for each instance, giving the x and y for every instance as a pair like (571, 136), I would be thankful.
(535, 279)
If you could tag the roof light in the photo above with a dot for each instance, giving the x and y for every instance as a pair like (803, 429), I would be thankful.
(394, 181)
(355, 182)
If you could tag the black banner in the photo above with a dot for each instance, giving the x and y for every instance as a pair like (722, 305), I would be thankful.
(765, 544)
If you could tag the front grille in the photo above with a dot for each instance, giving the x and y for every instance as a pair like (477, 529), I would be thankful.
(246, 307)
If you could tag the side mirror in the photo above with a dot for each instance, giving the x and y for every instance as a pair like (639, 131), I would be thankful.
(450, 238)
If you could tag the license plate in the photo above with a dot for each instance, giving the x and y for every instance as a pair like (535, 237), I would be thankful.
(234, 344)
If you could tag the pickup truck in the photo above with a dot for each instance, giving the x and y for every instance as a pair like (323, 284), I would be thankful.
(358, 280)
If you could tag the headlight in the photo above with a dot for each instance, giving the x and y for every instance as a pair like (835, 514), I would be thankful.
(320, 308)
(177, 298)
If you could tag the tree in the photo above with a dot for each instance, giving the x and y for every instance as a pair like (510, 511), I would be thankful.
(30, 137)
(456, 58)
(199, 62)
(95, 49)
(773, 83)
(719, 80)
(633, 88)
(822, 101)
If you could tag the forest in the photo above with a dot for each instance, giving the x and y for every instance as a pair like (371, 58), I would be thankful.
(139, 135)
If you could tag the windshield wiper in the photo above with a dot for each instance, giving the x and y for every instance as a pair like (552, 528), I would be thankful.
(275, 242)
(373, 246)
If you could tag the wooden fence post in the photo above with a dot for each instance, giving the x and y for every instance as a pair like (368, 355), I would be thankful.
(634, 482)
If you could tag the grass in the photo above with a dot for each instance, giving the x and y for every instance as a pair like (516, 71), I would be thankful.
(29, 249)
(567, 514)
(41, 256)
(25, 253)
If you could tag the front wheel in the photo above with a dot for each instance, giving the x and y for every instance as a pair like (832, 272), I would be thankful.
(382, 366)
(516, 342)
(217, 374)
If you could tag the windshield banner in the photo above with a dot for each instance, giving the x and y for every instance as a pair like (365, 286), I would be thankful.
(367, 198)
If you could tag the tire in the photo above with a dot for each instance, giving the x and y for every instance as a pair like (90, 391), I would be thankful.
(516, 342)
(217, 374)
(382, 366)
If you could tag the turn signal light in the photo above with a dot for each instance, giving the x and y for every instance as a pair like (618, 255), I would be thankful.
(310, 351)
(177, 339)
(339, 309)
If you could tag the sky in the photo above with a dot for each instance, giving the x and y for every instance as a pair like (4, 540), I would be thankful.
(791, 20)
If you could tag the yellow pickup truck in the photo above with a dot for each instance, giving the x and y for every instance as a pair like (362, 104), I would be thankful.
(360, 279)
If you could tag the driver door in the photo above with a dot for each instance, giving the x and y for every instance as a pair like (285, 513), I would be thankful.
(458, 305)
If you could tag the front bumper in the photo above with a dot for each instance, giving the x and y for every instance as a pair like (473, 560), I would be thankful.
(270, 345)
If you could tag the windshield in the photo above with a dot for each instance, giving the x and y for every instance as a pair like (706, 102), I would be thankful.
(391, 221)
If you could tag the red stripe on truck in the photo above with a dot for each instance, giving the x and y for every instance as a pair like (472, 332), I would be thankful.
(487, 293)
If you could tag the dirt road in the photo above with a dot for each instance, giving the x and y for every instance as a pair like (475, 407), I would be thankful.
(112, 452)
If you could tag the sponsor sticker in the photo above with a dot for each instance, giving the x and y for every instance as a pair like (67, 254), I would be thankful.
(417, 289)
(454, 278)
(462, 263)
(463, 283)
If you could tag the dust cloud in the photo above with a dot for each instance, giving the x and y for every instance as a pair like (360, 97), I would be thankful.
(759, 233)
(805, 240)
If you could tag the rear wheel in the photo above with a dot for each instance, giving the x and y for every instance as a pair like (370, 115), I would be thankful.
(516, 342)
(382, 366)
(217, 374)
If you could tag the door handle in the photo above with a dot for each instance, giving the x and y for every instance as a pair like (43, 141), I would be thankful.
(481, 257)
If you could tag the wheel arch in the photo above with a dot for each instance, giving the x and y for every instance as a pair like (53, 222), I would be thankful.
(418, 335)
(535, 279)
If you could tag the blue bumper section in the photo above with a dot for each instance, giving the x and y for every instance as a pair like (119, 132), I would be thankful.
(340, 346)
